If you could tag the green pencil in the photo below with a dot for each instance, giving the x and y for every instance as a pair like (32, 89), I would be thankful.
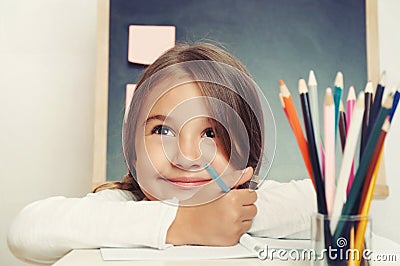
(350, 207)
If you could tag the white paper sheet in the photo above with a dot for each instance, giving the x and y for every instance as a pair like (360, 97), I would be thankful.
(199, 252)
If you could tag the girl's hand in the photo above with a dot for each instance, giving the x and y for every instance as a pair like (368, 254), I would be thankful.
(217, 223)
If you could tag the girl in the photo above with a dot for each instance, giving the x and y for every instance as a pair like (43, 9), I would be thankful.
(183, 115)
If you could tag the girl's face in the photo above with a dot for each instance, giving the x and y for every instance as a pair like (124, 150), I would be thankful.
(173, 143)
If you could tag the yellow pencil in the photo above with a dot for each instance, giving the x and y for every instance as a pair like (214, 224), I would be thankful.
(362, 226)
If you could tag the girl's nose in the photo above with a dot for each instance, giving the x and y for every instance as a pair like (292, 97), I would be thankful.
(188, 156)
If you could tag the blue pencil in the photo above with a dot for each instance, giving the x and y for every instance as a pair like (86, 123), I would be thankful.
(214, 175)
(396, 99)
(337, 97)
(377, 102)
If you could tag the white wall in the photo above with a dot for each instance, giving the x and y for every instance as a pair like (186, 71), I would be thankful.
(385, 213)
(47, 77)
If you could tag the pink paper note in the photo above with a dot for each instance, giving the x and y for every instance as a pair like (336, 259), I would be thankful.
(147, 43)
(130, 89)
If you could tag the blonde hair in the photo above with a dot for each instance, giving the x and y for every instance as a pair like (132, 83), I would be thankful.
(201, 51)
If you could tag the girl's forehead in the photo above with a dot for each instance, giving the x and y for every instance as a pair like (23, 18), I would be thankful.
(182, 98)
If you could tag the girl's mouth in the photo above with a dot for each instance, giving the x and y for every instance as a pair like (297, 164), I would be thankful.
(188, 182)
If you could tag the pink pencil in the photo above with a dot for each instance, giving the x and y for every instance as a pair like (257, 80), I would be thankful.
(329, 141)
(351, 101)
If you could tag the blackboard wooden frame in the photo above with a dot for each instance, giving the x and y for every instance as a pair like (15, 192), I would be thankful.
(102, 74)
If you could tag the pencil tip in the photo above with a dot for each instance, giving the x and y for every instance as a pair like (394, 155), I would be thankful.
(352, 93)
(388, 101)
(284, 90)
(382, 81)
(328, 97)
(302, 86)
(282, 101)
(368, 87)
(312, 81)
(339, 80)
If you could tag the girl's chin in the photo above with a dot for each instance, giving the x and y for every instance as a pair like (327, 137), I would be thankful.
(164, 189)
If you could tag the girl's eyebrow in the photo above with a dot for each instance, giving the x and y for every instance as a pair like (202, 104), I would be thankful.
(162, 118)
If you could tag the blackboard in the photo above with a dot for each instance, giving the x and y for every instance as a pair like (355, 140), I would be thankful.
(275, 39)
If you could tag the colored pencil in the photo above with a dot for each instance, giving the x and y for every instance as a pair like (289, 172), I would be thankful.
(296, 126)
(366, 118)
(337, 96)
(321, 148)
(368, 199)
(373, 171)
(374, 159)
(396, 99)
(329, 140)
(342, 125)
(313, 94)
(284, 108)
(352, 204)
(320, 188)
(377, 100)
(217, 178)
(308, 124)
(348, 156)
(351, 101)
(351, 261)
(253, 184)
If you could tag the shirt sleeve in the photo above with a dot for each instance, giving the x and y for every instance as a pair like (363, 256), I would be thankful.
(46, 230)
(284, 209)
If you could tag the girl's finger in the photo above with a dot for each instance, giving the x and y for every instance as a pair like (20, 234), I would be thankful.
(249, 212)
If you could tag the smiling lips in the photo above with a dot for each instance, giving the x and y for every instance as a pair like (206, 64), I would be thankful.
(188, 182)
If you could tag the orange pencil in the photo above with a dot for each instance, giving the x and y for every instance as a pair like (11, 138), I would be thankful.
(294, 122)
(284, 108)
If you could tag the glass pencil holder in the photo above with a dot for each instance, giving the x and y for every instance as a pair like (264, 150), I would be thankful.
(344, 240)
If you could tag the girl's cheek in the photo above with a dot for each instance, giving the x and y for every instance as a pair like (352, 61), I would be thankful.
(220, 162)
(156, 155)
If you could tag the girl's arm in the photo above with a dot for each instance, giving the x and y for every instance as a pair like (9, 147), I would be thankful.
(46, 230)
(284, 209)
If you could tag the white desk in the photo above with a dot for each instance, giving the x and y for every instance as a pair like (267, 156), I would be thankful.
(92, 257)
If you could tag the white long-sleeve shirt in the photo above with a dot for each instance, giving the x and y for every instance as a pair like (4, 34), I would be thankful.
(46, 230)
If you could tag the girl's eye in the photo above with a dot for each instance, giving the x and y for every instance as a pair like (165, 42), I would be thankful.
(163, 130)
(209, 133)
